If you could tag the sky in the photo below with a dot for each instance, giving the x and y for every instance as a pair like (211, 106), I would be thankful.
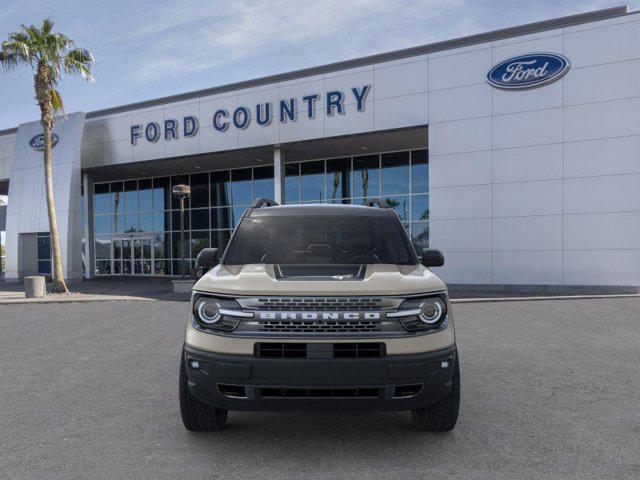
(148, 49)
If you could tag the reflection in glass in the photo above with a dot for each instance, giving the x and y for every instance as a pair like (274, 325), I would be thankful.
(145, 222)
(338, 179)
(220, 189)
(102, 224)
(117, 225)
(179, 180)
(131, 222)
(419, 207)
(117, 192)
(131, 196)
(420, 236)
(200, 190)
(219, 239)
(160, 241)
(236, 213)
(241, 186)
(419, 171)
(145, 196)
(292, 183)
(101, 198)
(312, 181)
(103, 267)
(175, 220)
(126, 267)
(395, 173)
(263, 182)
(161, 194)
(220, 218)
(400, 205)
(200, 219)
(366, 176)
(160, 221)
(161, 267)
(103, 247)
(199, 240)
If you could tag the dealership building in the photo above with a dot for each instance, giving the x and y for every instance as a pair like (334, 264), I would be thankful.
(515, 152)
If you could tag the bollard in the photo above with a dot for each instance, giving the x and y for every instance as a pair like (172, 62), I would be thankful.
(34, 287)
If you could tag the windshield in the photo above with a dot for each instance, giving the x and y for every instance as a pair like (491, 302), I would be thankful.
(322, 239)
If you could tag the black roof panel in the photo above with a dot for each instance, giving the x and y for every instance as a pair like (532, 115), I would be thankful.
(320, 209)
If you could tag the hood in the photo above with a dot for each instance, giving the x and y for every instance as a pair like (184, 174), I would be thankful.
(261, 279)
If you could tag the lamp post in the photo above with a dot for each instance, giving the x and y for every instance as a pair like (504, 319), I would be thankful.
(182, 192)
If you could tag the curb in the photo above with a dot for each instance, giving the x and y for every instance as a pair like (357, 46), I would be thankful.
(106, 298)
(542, 299)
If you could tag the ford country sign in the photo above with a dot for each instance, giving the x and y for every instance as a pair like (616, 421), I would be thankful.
(528, 71)
(37, 142)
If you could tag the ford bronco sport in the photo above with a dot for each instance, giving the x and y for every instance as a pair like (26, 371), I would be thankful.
(319, 307)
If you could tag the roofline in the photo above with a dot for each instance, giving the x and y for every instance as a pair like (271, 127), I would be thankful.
(494, 35)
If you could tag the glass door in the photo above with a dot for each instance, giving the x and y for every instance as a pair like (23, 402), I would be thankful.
(133, 255)
(142, 256)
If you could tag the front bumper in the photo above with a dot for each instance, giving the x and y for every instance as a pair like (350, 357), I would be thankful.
(394, 382)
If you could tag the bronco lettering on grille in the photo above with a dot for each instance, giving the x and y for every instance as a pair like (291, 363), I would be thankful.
(319, 315)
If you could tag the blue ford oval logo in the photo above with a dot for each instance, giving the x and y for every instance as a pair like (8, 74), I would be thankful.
(37, 142)
(528, 71)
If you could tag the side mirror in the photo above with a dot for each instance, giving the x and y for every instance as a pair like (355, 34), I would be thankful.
(431, 257)
(207, 259)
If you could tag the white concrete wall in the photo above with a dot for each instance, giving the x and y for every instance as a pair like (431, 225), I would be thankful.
(398, 98)
(539, 186)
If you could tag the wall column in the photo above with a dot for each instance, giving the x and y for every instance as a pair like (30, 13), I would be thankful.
(278, 175)
(87, 207)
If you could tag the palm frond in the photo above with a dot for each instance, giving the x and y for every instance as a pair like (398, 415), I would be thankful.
(56, 101)
(79, 60)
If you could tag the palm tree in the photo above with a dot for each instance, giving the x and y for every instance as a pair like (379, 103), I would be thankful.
(47, 53)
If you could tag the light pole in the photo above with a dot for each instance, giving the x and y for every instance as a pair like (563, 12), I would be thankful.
(182, 192)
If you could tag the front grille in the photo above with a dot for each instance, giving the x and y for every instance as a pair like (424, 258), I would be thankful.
(319, 326)
(281, 350)
(319, 392)
(320, 304)
(320, 350)
(358, 350)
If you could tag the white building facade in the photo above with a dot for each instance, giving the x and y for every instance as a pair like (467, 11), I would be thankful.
(515, 152)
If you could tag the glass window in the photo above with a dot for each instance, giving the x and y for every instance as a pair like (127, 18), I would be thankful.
(292, 183)
(366, 176)
(400, 205)
(237, 213)
(220, 218)
(220, 189)
(419, 171)
(199, 240)
(179, 180)
(131, 223)
(419, 207)
(145, 195)
(44, 246)
(117, 189)
(103, 247)
(161, 221)
(145, 222)
(162, 267)
(117, 223)
(322, 239)
(161, 194)
(161, 245)
(219, 239)
(395, 173)
(420, 236)
(103, 267)
(102, 224)
(175, 220)
(338, 179)
(241, 186)
(131, 196)
(263, 182)
(200, 219)
(101, 198)
(200, 190)
(312, 181)
(175, 244)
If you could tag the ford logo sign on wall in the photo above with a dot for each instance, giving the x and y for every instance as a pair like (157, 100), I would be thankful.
(37, 142)
(528, 71)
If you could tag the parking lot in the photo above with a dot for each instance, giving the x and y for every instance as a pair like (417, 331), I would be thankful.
(550, 389)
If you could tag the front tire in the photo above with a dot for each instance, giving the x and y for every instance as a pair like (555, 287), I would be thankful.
(443, 415)
(196, 415)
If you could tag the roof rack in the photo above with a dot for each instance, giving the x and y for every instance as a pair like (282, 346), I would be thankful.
(376, 202)
(264, 202)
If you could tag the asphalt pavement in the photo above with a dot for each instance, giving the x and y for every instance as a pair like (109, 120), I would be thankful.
(550, 389)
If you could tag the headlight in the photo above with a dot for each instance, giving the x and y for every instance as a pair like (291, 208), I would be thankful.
(431, 311)
(426, 313)
(210, 313)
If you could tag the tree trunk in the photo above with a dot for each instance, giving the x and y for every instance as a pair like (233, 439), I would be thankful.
(43, 96)
(59, 285)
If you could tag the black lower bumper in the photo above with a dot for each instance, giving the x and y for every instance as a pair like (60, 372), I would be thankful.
(397, 382)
